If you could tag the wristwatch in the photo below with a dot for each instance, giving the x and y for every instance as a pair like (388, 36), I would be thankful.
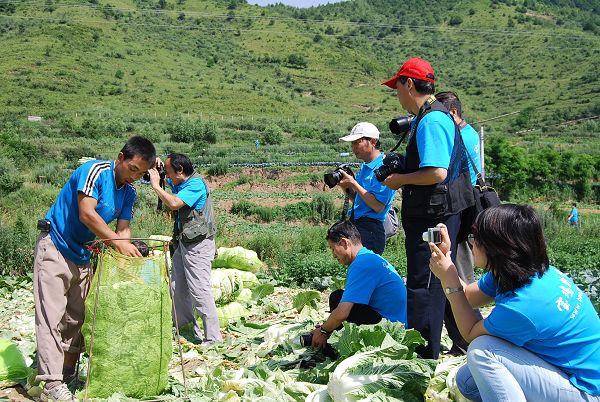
(449, 291)
(324, 332)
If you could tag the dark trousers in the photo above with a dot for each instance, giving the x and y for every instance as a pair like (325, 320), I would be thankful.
(360, 313)
(426, 301)
(372, 234)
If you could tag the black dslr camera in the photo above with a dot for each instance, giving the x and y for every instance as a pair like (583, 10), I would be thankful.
(161, 172)
(392, 163)
(401, 124)
(328, 351)
(332, 179)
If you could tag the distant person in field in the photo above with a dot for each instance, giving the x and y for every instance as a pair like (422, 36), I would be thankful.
(372, 200)
(194, 232)
(464, 256)
(574, 215)
(97, 193)
(541, 341)
(374, 290)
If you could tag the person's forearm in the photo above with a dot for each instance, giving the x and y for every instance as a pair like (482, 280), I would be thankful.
(422, 177)
(169, 200)
(461, 308)
(369, 198)
(124, 233)
(96, 224)
(334, 320)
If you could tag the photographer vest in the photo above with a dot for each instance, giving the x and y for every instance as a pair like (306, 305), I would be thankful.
(196, 224)
(452, 195)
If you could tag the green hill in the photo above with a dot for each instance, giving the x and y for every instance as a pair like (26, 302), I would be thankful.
(229, 60)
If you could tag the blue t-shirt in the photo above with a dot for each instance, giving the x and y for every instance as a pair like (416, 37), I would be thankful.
(192, 192)
(471, 141)
(554, 319)
(95, 179)
(435, 139)
(575, 218)
(385, 195)
(373, 281)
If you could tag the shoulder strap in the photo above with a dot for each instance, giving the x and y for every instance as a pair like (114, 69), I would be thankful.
(480, 181)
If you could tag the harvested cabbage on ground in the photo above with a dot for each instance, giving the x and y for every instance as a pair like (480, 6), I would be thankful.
(261, 358)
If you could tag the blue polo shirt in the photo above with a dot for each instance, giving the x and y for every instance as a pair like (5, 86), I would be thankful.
(192, 192)
(471, 141)
(435, 139)
(373, 281)
(552, 318)
(95, 179)
(385, 195)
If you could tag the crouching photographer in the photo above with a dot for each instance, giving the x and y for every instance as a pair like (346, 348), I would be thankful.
(374, 290)
(371, 199)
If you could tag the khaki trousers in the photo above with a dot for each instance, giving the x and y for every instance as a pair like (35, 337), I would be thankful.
(59, 289)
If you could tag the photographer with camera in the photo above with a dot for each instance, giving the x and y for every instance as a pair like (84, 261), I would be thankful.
(374, 290)
(97, 193)
(371, 199)
(194, 229)
(435, 187)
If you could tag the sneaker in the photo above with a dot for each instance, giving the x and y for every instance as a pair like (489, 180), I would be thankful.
(59, 393)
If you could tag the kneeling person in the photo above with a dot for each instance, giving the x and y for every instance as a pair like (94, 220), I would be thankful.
(374, 290)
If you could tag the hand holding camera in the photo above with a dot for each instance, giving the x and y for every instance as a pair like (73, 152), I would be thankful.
(333, 179)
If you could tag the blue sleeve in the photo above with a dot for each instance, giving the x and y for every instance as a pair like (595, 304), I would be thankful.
(383, 194)
(486, 285)
(358, 287)
(192, 193)
(127, 211)
(506, 323)
(435, 140)
(86, 177)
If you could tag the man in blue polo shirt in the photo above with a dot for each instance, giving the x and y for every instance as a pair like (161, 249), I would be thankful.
(372, 200)
(194, 231)
(374, 290)
(97, 193)
(424, 198)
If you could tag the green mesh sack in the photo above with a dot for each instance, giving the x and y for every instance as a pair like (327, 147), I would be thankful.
(132, 331)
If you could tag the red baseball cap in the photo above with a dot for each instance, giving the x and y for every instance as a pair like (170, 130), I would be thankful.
(416, 68)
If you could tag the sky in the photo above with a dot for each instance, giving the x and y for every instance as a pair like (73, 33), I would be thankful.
(294, 3)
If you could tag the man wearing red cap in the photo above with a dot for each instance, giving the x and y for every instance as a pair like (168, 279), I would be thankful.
(432, 190)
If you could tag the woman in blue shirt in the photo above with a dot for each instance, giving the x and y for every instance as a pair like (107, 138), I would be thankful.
(542, 339)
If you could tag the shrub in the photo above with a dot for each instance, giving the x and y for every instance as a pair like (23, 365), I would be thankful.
(220, 169)
(10, 179)
(323, 208)
(16, 248)
(300, 269)
(273, 135)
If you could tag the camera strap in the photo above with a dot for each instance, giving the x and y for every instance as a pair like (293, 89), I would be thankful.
(346, 206)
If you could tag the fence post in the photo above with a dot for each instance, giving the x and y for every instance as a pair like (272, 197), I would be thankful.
(482, 152)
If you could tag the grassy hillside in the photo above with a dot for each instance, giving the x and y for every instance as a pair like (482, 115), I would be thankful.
(226, 60)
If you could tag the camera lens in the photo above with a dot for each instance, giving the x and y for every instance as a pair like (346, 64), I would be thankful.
(332, 179)
(382, 172)
(306, 340)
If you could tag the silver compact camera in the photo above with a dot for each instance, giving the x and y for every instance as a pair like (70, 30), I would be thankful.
(433, 235)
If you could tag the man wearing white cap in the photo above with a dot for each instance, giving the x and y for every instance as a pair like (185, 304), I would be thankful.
(372, 200)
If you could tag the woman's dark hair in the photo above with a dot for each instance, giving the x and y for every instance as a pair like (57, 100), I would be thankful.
(450, 101)
(181, 163)
(422, 87)
(343, 230)
(513, 241)
(139, 146)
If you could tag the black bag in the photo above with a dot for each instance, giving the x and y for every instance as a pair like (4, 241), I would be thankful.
(485, 197)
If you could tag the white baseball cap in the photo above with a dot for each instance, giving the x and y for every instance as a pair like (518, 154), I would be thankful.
(363, 129)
